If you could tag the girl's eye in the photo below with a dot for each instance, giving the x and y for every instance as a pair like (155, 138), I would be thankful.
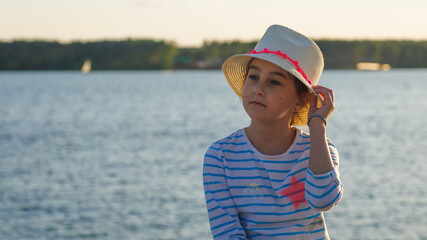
(253, 77)
(274, 82)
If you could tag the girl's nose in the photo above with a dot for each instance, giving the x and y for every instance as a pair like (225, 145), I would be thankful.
(259, 89)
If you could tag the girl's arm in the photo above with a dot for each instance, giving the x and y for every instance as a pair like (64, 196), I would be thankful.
(323, 188)
(223, 216)
(320, 158)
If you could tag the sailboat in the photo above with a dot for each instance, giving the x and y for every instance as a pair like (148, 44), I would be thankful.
(87, 66)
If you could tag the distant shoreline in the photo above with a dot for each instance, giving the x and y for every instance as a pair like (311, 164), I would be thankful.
(147, 54)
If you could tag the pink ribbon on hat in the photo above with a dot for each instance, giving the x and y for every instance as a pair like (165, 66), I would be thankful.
(278, 52)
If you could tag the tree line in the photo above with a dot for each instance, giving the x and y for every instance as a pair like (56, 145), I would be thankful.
(144, 54)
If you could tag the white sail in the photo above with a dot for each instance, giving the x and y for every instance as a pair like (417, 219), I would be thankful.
(87, 66)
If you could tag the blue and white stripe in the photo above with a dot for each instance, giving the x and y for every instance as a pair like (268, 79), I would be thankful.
(242, 191)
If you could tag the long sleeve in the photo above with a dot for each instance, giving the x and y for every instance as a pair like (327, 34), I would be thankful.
(223, 216)
(324, 191)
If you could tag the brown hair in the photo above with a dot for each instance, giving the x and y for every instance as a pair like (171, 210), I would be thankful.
(302, 90)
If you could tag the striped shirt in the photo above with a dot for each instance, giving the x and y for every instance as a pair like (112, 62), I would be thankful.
(250, 195)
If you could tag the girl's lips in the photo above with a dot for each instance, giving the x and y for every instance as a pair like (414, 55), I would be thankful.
(257, 103)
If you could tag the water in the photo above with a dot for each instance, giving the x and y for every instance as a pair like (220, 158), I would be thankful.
(118, 155)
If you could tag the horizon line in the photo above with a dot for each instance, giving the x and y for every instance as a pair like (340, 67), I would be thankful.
(62, 41)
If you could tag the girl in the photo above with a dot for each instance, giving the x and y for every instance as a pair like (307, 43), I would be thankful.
(271, 180)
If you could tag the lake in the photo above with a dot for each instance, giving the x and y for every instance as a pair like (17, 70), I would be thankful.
(118, 154)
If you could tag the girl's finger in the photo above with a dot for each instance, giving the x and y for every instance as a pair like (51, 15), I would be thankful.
(329, 99)
(325, 93)
(320, 88)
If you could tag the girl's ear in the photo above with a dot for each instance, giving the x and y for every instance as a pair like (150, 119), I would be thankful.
(303, 101)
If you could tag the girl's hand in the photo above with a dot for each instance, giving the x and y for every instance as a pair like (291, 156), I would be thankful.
(328, 103)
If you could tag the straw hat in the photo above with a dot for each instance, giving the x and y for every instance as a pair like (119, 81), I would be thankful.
(291, 51)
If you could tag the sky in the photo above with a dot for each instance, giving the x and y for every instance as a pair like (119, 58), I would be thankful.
(191, 22)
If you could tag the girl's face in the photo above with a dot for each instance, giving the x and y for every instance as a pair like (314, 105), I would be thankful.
(269, 92)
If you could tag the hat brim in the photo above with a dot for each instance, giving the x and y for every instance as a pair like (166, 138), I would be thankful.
(235, 69)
